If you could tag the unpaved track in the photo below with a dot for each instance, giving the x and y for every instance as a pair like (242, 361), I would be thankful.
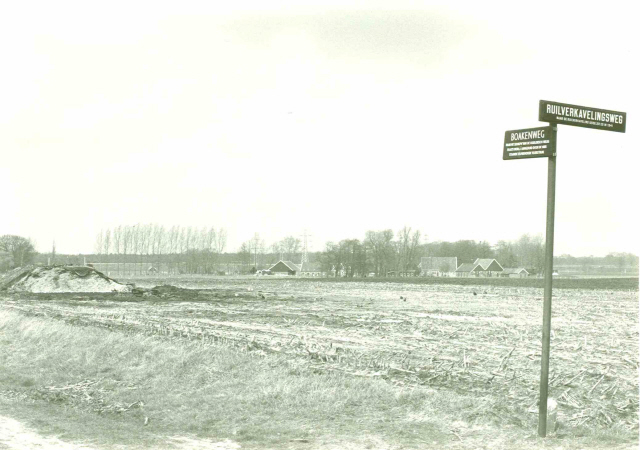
(15, 436)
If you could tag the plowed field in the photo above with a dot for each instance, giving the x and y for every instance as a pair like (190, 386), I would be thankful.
(478, 339)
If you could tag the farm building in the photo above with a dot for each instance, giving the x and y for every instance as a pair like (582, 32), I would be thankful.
(309, 269)
(401, 273)
(480, 267)
(468, 270)
(514, 272)
(489, 267)
(284, 268)
(408, 273)
(438, 266)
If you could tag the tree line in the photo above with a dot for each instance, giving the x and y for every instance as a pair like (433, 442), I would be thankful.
(191, 249)
(256, 253)
(379, 253)
(383, 252)
(618, 260)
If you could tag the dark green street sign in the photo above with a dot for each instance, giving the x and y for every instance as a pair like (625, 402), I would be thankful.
(537, 142)
(582, 116)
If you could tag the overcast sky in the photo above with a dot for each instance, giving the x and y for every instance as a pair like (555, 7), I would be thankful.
(333, 116)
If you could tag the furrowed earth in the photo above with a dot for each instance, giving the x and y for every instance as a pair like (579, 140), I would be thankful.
(479, 341)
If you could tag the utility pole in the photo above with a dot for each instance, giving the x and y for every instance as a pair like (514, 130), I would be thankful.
(305, 247)
(256, 240)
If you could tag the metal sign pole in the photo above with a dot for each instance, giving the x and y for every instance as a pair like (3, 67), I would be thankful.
(548, 278)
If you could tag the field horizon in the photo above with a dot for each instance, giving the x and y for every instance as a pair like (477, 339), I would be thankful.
(593, 282)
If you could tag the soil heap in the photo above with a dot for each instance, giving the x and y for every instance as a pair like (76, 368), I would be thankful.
(59, 279)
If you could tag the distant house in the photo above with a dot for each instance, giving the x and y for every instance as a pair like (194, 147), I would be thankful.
(438, 266)
(489, 267)
(533, 272)
(514, 272)
(309, 269)
(408, 273)
(284, 268)
(339, 270)
(401, 273)
(468, 270)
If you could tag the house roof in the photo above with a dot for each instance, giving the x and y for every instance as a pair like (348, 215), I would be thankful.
(467, 267)
(514, 270)
(289, 264)
(489, 264)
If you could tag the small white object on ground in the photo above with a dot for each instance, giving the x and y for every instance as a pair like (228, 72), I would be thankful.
(552, 414)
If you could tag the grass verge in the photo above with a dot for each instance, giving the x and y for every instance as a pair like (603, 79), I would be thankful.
(100, 387)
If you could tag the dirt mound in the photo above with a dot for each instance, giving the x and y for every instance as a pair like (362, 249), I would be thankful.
(166, 290)
(59, 279)
(8, 278)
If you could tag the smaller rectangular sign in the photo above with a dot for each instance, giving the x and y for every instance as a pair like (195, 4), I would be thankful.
(582, 116)
(529, 143)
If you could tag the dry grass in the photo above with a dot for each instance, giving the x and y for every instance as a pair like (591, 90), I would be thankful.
(184, 388)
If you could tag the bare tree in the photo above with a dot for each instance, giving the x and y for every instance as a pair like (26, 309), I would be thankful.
(331, 258)
(290, 246)
(530, 251)
(408, 245)
(258, 247)
(126, 244)
(174, 236)
(245, 253)
(221, 240)
(255, 245)
(106, 245)
(136, 245)
(188, 238)
(276, 249)
(380, 244)
(159, 243)
(98, 246)
(22, 250)
(198, 248)
(351, 255)
(506, 254)
(117, 245)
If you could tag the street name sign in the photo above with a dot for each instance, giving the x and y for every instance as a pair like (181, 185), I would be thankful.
(529, 143)
(541, 142)
(582, 116)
